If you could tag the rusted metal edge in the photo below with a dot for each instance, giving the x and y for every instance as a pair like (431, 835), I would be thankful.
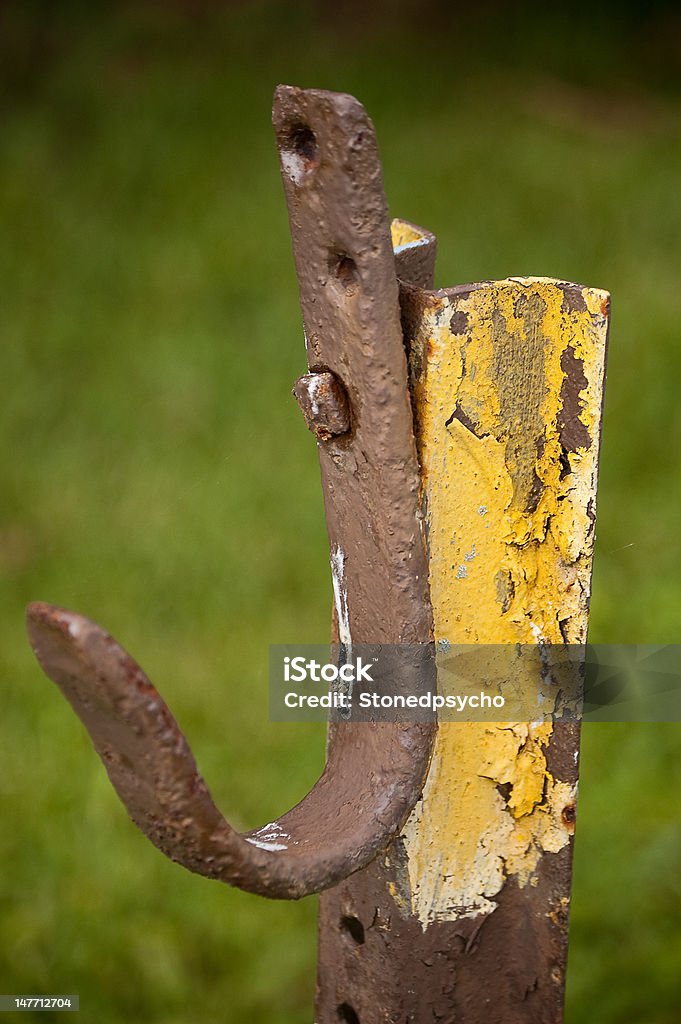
(374, 772)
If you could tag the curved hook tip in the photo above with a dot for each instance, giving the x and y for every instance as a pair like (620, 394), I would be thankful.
(54, 634)
(339, 827)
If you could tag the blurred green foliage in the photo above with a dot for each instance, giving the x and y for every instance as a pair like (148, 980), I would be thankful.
(157, 476)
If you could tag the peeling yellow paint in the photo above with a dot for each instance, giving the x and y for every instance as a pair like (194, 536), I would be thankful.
(403, 233)
(507, 383)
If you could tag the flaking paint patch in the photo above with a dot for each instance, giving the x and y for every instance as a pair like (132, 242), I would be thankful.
(293, 165)
(491, 393)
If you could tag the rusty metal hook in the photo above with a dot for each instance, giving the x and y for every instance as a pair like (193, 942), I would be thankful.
(370, 782)
(356, 400)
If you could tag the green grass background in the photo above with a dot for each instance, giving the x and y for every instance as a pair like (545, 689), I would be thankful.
(157, 476)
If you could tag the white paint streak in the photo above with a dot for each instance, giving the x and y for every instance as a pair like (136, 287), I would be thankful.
(340, 594)
(269, 837)
(410, 245)
(273, 847)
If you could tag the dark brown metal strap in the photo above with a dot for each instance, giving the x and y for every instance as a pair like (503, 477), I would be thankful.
(364, 952)
(349, 296)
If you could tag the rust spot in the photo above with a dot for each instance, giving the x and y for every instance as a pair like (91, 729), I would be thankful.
(564, 459)
(519, 361)
(459, 322)
(573, 300)
(560, 913)
(569, 815)
(535, 493)
(573, 433)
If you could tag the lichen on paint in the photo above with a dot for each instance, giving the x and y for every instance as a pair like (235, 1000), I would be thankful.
(507, 382)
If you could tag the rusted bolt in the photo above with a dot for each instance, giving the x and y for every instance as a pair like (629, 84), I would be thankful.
(324, 404)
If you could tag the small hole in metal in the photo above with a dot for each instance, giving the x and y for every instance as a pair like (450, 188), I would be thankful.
(569, 814)
(299, 152)
(304, 141)
(353, 927)
(344, 270)
(346, 1013)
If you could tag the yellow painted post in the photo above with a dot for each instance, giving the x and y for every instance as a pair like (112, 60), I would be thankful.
(508, 383)
(464, 918)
